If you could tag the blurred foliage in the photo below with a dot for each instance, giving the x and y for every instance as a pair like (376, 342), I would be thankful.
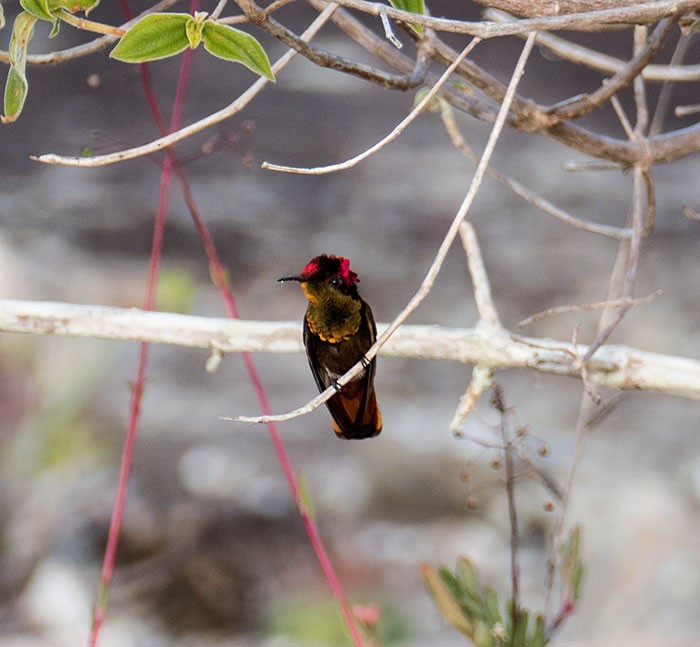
(477, 612)
(53, 431)
(175, 291)
(319, 622)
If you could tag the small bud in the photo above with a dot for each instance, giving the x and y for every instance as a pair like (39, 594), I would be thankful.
(93, 81)
(366, 615)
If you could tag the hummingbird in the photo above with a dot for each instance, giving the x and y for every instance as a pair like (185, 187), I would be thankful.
(338, 330)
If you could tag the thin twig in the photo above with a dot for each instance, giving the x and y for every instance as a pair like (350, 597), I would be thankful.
(641, 179)
(480, 279)
(558, 310)
(218, 9)
(579, 54)
(637, 13)
(631, 271)
(528, 116)
(519, 189)
(389, 31)
(217, 117)
(627, 259)
(89, 25)
(640, 96)
(398, 130)
(507, 441)
(684, 111)
(319, 56)
(579, 106)
(447, 241)
(481, 379)
(662, 103)
(622, 116)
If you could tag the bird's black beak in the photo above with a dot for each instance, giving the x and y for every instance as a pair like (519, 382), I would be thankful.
(290, 278)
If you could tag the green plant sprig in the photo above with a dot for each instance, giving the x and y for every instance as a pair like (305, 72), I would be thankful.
(153, 37)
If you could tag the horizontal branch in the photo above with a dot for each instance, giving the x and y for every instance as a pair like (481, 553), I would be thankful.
(543, 8)
(596, 60)
(486, 346)
(634, 14)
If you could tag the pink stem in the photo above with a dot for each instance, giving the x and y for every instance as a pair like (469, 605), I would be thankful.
(109, 559)
(221, 281)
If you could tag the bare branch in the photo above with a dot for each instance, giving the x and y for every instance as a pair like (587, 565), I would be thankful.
(225, 113)
(542, 8)
(320, 57)
(389, 31)
(529, 117)
(481, 379)
(579, 54)
(480, 279)
(398, 130)
(617, 367)
(635, 13)
(635, 244)
(558, 310)
(584, 104)
(664, 99)
(526, 194)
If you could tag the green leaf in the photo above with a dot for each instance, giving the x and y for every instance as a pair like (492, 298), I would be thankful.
(17, 87)
(155, 36)
(305, 503)
(519, 637)
(15, 93)
(466, 575)
(493, 613)
(446, 602)
(193, 31)
(2, 17)
(38, 8)
(414, 6)
(571, 563)
(538, 638)
(235, 45)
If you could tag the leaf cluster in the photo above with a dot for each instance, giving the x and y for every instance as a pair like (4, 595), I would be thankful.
(161, 35)
(155, 36)
(477, 612)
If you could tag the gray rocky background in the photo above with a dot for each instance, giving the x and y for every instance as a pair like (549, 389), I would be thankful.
(212, 551)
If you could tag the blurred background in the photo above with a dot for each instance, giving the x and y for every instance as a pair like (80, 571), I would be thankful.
(212, 551)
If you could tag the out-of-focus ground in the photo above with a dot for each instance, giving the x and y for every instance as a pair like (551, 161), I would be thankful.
(212, 552)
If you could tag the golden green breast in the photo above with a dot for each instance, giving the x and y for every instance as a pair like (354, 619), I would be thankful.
(331, 315)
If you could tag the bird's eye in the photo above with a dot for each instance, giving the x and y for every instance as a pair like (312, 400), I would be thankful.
(336, 282)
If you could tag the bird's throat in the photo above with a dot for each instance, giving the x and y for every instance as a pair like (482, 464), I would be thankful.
(331, 315)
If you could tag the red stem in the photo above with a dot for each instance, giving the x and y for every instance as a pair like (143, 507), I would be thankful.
(109, 559)
(221, 281)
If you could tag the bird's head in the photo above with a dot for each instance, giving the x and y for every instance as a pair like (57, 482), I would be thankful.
(326, 274)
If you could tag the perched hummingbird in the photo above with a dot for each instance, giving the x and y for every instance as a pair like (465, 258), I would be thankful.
(338, 330)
